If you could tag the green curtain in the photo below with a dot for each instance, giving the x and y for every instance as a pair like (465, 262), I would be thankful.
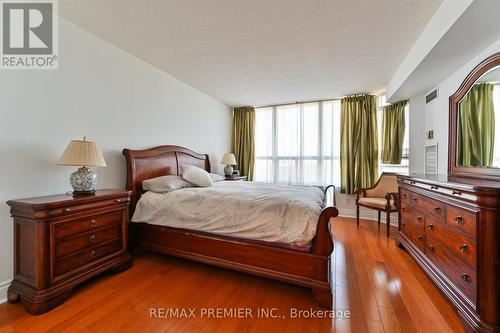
(393, 132)
(358, 143)
(476, 127)
(242, 141)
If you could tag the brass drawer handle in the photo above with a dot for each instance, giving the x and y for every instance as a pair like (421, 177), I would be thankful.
(66, 210)
(419, 237)
(459, 219)
(415, 200)
(437, 209)
(420, 218)
(93, 223)
(431, 249)
(456, 193)
(93, 254)
(430, 227)
(412, 182)
(465, 277)
(92, 238)
(434, 187)
(463, 248)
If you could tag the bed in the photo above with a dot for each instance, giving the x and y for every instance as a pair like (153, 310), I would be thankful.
(305, 266)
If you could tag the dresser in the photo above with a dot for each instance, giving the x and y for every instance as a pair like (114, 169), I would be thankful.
(63, 240)
(451, 227)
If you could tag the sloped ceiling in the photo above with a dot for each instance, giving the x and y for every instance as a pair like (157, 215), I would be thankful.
(262, 52)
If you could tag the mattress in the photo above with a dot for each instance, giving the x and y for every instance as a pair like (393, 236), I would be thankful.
(278, 214)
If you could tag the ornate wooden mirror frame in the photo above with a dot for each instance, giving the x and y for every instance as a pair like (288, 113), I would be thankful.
(467, 171)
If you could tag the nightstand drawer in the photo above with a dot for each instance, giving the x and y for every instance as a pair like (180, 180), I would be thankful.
(87, 256)
(63, 211)
(88, 239)
(68, 228)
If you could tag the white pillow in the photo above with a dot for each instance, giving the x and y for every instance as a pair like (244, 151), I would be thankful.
(216, 178)
(165, 184)
(196, 175)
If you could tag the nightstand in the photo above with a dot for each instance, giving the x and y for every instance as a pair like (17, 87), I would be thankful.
(236, 178)
(61, 241)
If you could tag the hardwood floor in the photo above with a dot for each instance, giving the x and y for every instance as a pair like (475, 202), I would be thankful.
(377, 282)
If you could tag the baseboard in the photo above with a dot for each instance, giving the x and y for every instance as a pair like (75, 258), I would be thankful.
(368, 215)
(3, 291)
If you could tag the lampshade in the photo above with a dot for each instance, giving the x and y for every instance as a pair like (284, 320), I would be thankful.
(82, 153)
(228, 159)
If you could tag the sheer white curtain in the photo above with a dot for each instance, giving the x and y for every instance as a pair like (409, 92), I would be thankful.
(298, 144)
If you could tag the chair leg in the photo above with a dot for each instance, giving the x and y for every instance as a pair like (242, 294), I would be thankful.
(357, 215)
(379, 217)
(388, 226)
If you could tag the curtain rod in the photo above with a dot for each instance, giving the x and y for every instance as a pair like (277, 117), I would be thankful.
(311, 101)
(294, 103)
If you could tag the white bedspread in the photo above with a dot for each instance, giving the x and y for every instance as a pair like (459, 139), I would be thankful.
(266, 212)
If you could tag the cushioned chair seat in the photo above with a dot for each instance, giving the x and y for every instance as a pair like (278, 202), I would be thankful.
(376, 202)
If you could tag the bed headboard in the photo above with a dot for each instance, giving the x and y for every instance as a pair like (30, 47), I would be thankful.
(156, 162)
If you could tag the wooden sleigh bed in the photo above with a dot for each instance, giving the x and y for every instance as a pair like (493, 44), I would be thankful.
(309, 269)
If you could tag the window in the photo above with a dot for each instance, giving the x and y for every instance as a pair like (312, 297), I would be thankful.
(404, 166)
(300, 143)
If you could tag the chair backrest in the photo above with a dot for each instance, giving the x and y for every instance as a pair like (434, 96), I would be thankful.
(387, 182)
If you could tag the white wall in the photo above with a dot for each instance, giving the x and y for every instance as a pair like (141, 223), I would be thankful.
(417, 134)
(436, 113)
(106, 94)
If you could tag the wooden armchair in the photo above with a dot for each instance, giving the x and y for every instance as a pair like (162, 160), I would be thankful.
(382, 197)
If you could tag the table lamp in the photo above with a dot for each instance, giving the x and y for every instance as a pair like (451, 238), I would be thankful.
(84, 154)
(229, 160)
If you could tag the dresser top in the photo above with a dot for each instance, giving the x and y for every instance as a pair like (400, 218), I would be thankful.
(465, 183)
(69, 199)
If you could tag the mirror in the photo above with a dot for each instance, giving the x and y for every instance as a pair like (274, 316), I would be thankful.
(474, 133)
(478, 123)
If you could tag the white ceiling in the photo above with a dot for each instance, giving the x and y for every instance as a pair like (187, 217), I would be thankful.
(263, 52)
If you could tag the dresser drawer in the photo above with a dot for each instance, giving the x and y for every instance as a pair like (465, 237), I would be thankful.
(72, 227)
(462, 247)
(415, 236)
(88, 239)
(87, 256)
(462, 219)
(405, 195)
(73, 209)
(412, 216)
(459, 273)
(428, 205)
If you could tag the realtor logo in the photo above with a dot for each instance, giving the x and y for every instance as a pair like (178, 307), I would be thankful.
(29, 34)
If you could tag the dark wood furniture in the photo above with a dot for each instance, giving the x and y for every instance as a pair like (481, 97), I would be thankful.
(235, 178)
(310, 269)
(469, 171)
(451, 226)
(61, 241)
(382, 197)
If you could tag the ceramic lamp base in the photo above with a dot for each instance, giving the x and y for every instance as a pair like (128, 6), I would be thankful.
(228, 170)
(83, 181)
